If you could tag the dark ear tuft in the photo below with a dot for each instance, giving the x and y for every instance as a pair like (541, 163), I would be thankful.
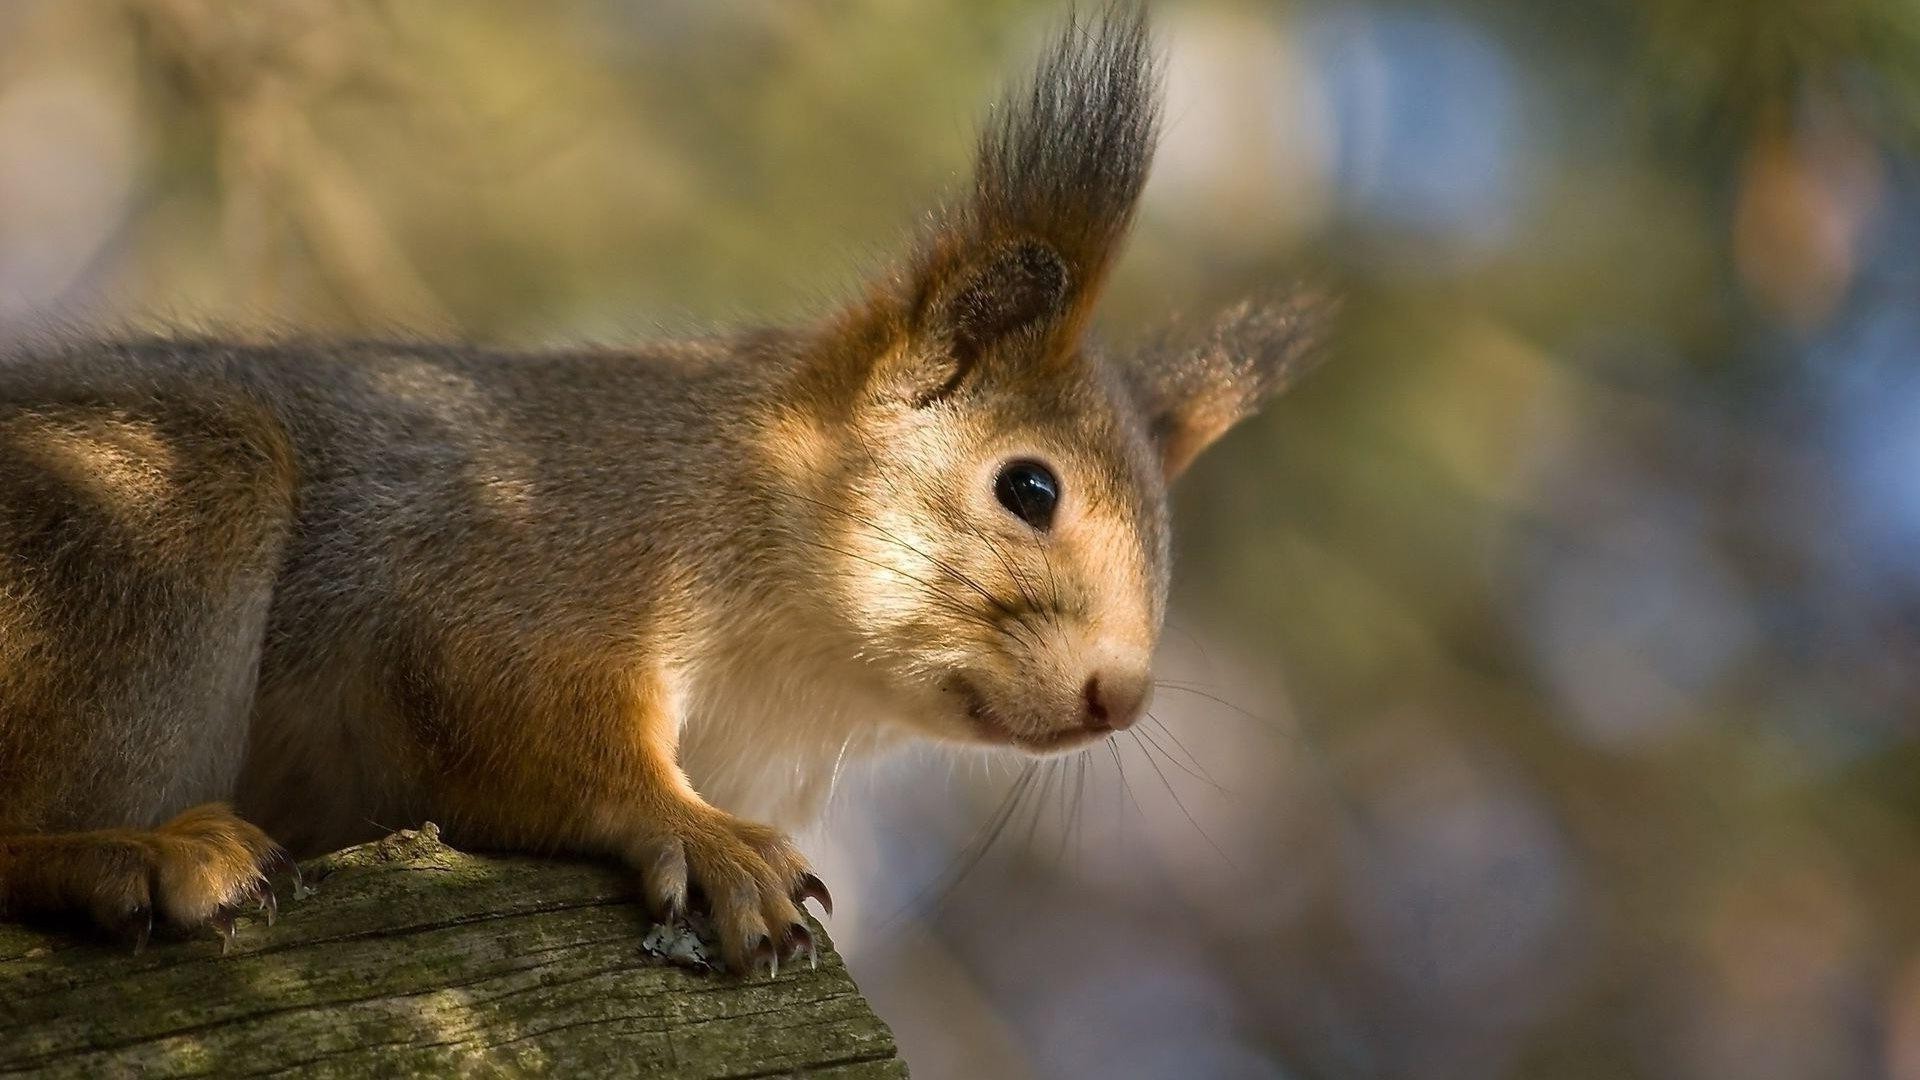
(1194, 393)
(1059, 169)
(1066, 159)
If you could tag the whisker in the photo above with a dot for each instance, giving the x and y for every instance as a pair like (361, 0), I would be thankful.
(1070, 805)
(1299, 737)
(941, 564)
(1019, 629)
(1266, 722)
(1182, 806)
(1053, 584)
(1167, 730)
(1200, 776)
(1125, 787)
(1194, 639)
(975, 850)
(1019, 579)
(1080, 806)
(1063, 811)
(1039, 806)
(954, 603)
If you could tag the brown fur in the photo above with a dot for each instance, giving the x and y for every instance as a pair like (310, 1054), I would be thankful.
(611, 602)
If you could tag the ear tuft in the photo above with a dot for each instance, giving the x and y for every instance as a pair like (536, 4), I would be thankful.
(1065, 160)
(1058, 171)
(1194, 394)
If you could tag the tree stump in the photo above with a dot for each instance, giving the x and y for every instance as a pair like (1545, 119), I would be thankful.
(413, 958)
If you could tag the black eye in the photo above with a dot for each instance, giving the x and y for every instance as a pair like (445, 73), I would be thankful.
(1029, 490)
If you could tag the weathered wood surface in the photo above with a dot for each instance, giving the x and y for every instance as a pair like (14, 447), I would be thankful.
(415, 959)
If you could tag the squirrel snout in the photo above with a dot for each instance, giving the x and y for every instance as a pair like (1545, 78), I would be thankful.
(1116, 696)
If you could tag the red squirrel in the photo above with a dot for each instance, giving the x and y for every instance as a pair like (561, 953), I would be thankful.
(630, 603)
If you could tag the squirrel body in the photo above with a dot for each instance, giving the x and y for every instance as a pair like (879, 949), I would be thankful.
(628, 603)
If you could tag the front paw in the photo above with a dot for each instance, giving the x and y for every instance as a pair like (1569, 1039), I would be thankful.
(194, 874)
(746, 877)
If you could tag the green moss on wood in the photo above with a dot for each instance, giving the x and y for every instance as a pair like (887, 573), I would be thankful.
(413, 957)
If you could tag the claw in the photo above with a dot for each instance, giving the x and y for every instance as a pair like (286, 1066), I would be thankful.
(798, 938)
(281, 862)
(269, 903)
(222, 923)
(762, 950)
(812, 888)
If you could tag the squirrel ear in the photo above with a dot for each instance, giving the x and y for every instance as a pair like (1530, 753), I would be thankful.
(1057, 174)
(1194, 395)
(1015, 288)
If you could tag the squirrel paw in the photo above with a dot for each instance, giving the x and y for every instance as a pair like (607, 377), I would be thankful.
(749, 879)
(195, 873)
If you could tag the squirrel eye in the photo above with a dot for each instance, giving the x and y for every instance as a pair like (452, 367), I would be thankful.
(1029, 491)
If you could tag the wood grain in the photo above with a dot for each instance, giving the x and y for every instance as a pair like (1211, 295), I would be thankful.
(411, 958)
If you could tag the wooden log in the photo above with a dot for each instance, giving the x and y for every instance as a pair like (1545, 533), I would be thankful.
(411, 958)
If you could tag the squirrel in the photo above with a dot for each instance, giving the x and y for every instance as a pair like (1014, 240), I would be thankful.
(637, 604)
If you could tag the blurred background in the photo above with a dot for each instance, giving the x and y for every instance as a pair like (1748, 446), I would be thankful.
(1542, 694)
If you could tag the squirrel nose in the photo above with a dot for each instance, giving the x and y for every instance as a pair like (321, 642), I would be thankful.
(1115, 698)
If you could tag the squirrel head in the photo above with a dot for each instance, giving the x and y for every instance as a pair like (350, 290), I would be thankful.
(985, 494)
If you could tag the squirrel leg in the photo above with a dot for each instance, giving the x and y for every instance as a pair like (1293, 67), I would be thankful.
(194, 873)
(749, 878)
(138, 546)
(689, 855)
(585, 759)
